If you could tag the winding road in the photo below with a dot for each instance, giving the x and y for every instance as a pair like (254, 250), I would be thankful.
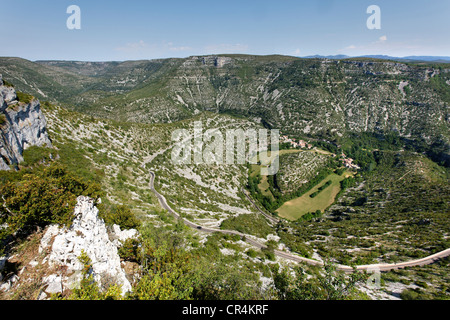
(272, 219)
(286, 255)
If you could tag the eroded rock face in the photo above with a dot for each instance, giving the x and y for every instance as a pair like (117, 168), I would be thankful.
(21, 126)
(7, 93)
(88, 233)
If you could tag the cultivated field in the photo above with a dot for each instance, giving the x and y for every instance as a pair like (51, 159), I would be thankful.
(294, 209)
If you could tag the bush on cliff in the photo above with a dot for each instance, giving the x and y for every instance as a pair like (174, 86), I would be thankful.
(32, 199)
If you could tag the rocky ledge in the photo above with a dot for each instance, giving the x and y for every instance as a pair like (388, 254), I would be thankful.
(87, 233)
(21, 125)
(57, 257)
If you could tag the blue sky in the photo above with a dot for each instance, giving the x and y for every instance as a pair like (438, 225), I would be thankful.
(130, 30)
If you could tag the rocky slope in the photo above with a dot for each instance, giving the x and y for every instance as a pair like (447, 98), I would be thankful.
(21, 125)
(302, 97)
(54, 266)
(299, 96)
(119, 150)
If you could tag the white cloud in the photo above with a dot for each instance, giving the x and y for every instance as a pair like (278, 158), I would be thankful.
(380, 46)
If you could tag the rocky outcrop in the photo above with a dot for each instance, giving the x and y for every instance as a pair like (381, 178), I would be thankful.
(21, 125)
(7, 93)
(216, 61)
(87, 233)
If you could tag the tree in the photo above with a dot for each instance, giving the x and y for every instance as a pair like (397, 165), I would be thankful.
(120, 215)
(330, 284)
(167, 267)
(34, 199)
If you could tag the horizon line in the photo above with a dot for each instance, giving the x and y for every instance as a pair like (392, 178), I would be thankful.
(315, 56)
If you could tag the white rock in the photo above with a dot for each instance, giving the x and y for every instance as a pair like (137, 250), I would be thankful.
(122, 235)
(42, 296)
(2, 266)
(88, 233)
(55, 283)
(49, 234)
(8, 284)
(33, 263)
(8, 93)
(5, 286)
(74, 280)
(25, 126)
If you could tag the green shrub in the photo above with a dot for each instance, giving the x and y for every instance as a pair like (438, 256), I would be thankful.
(129, 250)
(34, 155)
(74, 159)
(422, 284)
(120, 215)
(7, 83)
(41, 197)
(269, 254)
(314, 194)
(310, 215)
(24, 97)
(252, 253)
(88, 288)
(248, 223)
(163, 286)
(409, 294)
(272, 244)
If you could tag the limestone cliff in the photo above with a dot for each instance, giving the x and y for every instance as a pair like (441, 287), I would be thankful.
(87, 233)
(52, 263)
(21, 125)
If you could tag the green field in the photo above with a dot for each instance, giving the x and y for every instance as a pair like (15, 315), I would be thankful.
(294, 209)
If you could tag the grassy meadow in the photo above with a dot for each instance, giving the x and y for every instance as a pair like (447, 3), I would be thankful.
(294, 209)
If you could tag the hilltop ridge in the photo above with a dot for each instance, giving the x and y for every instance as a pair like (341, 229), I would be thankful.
(307, 98)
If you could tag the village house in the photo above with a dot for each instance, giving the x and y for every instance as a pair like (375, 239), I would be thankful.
(348, 162)
(294, 143)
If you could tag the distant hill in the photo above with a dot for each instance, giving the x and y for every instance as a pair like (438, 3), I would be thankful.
(324, 99)
(335, 57)
(436, 59)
